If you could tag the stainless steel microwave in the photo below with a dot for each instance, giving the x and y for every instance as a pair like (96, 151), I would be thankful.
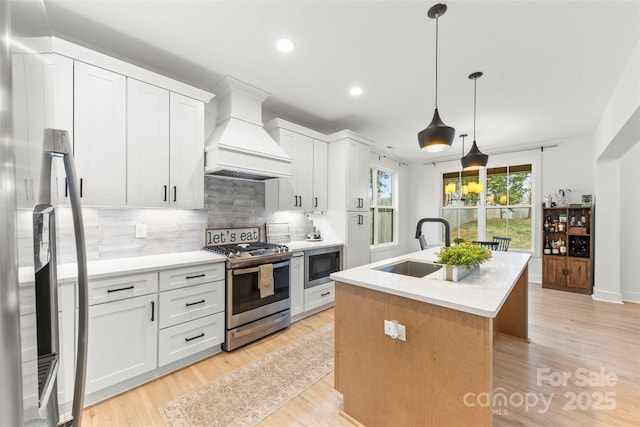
(320, 263)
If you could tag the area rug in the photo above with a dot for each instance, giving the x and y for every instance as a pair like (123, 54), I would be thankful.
(249, 394)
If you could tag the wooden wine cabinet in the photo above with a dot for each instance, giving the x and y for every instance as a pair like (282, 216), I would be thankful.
(574, 271)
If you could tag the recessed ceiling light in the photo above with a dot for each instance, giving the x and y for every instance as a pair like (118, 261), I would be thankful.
(285, 45)
(356, 91)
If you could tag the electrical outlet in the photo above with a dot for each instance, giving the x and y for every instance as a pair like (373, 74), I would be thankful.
(395, 330)
(141, 231)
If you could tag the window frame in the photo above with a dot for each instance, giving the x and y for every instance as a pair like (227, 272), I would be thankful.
(373, 168)
(497, 161)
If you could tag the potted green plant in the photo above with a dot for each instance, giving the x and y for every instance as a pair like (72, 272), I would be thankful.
(458, 240)
(461, 260)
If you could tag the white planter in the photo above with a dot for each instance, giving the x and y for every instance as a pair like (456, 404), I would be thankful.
(454, 273)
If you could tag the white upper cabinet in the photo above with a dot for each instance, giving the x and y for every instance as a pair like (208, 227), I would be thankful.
(165, 148)
(320, 184)
(186, 155)
(358, 177)
(100, 149)
(42, 92)
(306, 190)
(147, 145)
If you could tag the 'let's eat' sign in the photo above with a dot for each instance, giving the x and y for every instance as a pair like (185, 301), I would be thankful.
(229, 236)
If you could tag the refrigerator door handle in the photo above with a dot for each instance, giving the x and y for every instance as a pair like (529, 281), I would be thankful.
(57, 144)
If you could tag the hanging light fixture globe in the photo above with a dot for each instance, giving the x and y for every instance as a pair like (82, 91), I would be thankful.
(474, 159)
(437, 136)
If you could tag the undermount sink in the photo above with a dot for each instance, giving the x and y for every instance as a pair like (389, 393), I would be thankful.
(411, 268)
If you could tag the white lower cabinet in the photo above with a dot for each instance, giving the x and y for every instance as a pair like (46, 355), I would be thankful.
(191, 311)
(123, 337)
(185, 339)
(319, 296)
(296, 290)
(141, 322)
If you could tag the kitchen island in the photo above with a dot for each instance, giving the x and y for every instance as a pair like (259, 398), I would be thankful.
(442, 373)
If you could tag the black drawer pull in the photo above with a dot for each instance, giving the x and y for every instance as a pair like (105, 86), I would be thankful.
(196, 276)
(324, 294)
(120, 289)
(194, 338)
(189, 304)
(153, 311)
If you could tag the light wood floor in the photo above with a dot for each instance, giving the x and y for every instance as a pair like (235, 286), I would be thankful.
(569, 333)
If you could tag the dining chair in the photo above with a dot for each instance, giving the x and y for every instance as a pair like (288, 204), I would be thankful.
(503, 243)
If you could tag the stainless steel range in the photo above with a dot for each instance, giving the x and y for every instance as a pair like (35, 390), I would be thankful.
(257, 290)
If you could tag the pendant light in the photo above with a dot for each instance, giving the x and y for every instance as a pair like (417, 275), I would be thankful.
(475, 159)
(437, 136)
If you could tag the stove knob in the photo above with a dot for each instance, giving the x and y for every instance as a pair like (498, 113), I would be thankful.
(285, 249)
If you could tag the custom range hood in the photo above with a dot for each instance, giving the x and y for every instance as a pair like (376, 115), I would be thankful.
(239, 147)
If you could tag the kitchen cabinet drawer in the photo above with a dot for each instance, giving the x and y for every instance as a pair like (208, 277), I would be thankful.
(189, 338)
(319, 296)
(193, 302)
(121, 287)
(187, 276)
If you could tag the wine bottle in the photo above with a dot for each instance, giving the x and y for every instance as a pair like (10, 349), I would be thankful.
(563, 248)
(547, 246)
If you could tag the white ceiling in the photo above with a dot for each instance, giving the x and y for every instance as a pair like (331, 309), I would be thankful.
(549, 66)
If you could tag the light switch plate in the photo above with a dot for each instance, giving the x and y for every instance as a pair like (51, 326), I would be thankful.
(141, 231)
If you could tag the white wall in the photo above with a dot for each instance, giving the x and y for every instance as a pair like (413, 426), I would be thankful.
(630, 229)
(615, 156)
(567, 166)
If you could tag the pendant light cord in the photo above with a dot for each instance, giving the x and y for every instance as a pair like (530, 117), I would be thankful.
(437, 19)
(475, 89)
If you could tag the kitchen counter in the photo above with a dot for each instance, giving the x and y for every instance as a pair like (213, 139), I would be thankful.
(481, 293)
(440, 373)
(109, 267)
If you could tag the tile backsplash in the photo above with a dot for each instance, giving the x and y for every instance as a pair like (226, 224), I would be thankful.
(110, 232)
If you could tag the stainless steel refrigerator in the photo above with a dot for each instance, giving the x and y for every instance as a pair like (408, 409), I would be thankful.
(29, 345)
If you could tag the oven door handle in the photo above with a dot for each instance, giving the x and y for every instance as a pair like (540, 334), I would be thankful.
(256, 269)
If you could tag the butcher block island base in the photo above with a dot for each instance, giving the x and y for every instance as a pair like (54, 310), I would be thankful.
(436, 376)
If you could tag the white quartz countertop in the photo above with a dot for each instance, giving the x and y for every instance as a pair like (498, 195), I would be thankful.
(303, 245)
(111, 267)
(481, 293)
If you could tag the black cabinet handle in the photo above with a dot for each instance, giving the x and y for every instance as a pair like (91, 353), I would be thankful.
(81, 185)
(196, 276)
(316, 202)
(324, 294)
(296, 202)
(189, 304)
(165, 193)
(120, 289)
(175, 193)
(194, 338)
(66, 187)
(300, 200)
(153, 310)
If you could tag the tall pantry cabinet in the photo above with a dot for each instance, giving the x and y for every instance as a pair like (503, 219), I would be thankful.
(349, 196)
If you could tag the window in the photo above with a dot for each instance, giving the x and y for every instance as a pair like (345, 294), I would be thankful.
(382, 206)
(491, 202)
(460, 203)
(508, 207)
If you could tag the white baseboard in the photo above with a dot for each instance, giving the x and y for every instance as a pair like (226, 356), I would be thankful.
(607, 296)
(631, 296)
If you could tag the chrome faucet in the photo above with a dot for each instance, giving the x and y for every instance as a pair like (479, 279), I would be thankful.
(447, 231)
